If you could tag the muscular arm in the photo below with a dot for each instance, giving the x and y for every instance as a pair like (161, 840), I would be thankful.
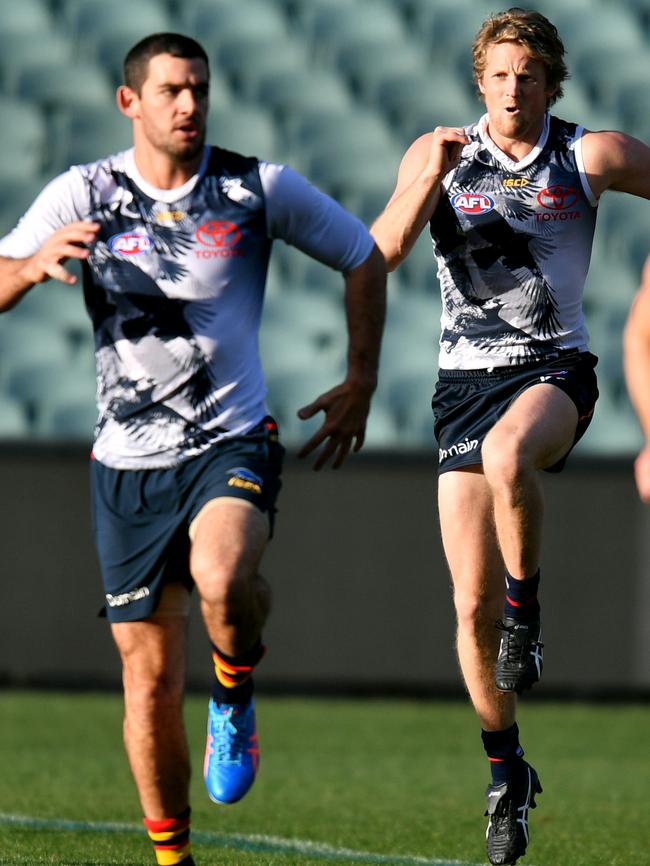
(18, 276)
(347, 405)
(636, 356)
(417, 193)
(616, 161)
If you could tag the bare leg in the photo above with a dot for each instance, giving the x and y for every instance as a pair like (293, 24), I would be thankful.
(228, 542)
(472, 551)
(535, 432)
(153, 660)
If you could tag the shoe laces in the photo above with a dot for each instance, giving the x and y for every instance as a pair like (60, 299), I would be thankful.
(229, 740)
(515, 645)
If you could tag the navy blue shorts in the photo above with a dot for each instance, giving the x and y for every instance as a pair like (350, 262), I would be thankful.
(141, 518)
(468, 403)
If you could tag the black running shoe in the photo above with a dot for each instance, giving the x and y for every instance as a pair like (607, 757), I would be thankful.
(519, 663)
(508, 804)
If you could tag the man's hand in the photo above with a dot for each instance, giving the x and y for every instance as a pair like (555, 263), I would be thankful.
(346, 408)
(642, 474)
(446, 147)
(69, 242)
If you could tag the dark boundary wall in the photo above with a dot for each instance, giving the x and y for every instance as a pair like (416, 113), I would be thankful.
(361, 591)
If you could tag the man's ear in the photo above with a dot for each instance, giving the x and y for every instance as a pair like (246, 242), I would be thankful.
(127, 101)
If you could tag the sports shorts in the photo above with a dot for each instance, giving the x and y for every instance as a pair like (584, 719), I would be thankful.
(141, 517)
(467, 403)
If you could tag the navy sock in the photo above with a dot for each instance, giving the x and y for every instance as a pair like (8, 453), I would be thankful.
(504, 753)
(521, 598)
(233, 683)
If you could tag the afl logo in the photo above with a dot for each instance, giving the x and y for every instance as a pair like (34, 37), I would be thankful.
(218, 233)
(130, 243)
(557, 197)
(473, 202)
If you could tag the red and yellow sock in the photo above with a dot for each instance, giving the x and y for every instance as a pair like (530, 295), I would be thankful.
(171, 839)
(233, 683)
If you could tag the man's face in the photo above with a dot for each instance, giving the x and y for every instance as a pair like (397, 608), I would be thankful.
(515, 91)
(173, 104)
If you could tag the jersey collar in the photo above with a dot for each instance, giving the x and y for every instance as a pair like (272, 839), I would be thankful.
(166, 195)
(503, 158)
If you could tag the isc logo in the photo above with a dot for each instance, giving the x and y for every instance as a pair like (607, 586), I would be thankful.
(129, 243)
(472, 202)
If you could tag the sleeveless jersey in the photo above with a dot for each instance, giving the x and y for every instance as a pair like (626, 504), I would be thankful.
(513, 243)
(174, 286)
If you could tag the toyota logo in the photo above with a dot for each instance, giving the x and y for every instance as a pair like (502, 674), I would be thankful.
(218, 233)
(557, 197)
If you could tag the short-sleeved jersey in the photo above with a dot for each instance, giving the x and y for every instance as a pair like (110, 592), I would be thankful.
(174, 285)
(513, 243)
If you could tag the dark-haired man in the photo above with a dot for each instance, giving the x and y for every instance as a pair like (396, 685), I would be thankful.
(174, 237)
(510, 202)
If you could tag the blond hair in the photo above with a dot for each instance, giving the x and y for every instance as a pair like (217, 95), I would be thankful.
(531, 30)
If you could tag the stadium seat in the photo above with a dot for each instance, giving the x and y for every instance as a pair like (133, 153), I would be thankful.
(246, 129)
(319, 318)
(24, 342)
(248, 58)
(88, 135)
(346, 170)
(363, 137)
(73, 87)
(31, 47)
(284, 350)
(215, 22)
(292, 390)
(330, 29)
(418, 270)
(16, 195)
(410, 400)
(369, 202)
(577, 106)
(614, 429)
(56, 305)
(305, 129)
(417, 102)
(306, 274)
(13, 418)
(43, 385)
(286, 94)
(605, 27)
(90, 21)
(377, 68)
(446, 30)
(71, 418)
(28, 16)
(23, 139)
(381, 428)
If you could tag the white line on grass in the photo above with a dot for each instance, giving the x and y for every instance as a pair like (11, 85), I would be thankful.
(238, 841)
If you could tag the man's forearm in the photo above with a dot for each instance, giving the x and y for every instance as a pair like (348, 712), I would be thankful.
(365, 300)
(401, 223)
(14, 282)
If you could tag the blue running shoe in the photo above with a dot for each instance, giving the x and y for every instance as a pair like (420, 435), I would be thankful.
(231, 751)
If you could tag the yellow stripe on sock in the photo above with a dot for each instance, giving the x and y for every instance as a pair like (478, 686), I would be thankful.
(171, 858)
(164, 836)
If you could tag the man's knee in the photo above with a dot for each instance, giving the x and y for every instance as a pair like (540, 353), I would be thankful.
(504, 459)
(476, 611)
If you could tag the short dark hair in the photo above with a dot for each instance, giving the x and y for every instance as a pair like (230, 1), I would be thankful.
(136, 62)
(532, 30)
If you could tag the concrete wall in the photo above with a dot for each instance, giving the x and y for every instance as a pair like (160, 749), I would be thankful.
(361, 590)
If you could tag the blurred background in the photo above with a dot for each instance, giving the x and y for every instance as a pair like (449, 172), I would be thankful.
(338, 89)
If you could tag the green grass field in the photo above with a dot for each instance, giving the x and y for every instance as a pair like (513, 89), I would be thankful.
(398, 783)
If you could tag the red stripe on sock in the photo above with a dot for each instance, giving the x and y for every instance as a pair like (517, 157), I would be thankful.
(520, 603)
(166, 825)
(496, 760)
